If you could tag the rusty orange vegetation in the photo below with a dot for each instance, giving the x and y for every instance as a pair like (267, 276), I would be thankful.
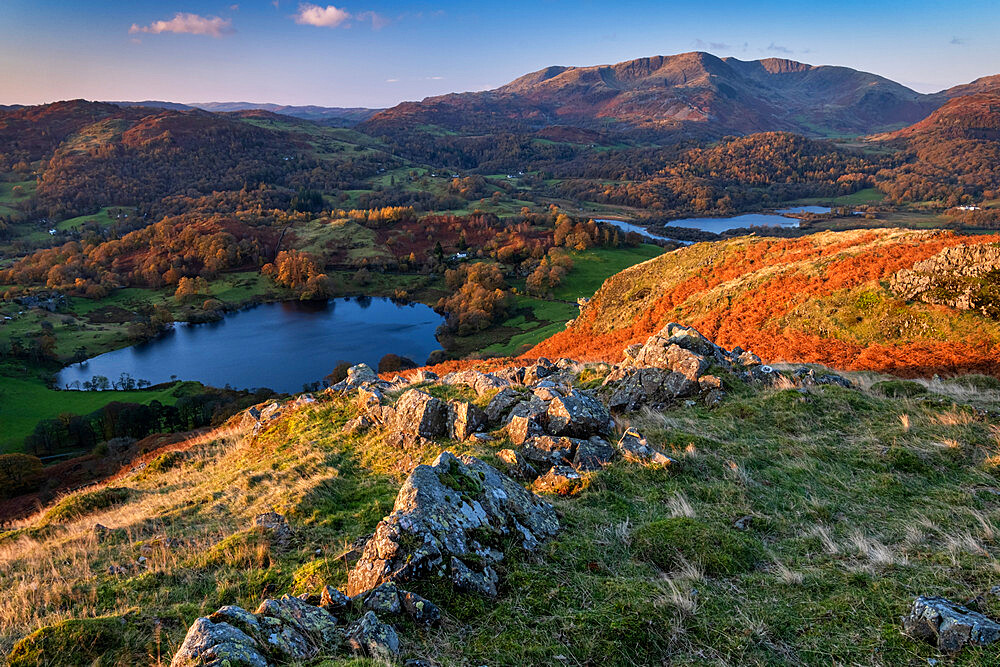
(797, 270)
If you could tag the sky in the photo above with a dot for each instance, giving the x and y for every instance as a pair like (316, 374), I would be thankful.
(376, 53)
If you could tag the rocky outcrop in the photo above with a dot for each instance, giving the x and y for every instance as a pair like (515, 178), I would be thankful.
(481, 383)
(577, 414)
(465, 419)
(418, 415)
(448, 521)
(949, 626)
(962, 277)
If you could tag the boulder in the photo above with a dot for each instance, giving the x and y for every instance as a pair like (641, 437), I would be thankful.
(442, 525)
(533, 407)
(387, 599)
(511, 374)
(423, 375)
(647, 386)
(360, 374)
(578, 414)
(333, 600)
(562, 480)
(218, 645)
(521, 429)
(420, 414)
(518, 466)
(634, 447)
(297, 629)
(948, 625)
(358, 425)
(546, 451)
(500, 405)
(542, 368)
(479, 382)
(593, 454)
(370, 637)
(464, 419)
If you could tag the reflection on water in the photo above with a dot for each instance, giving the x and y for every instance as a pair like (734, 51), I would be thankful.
(719, 225)
(277, 345)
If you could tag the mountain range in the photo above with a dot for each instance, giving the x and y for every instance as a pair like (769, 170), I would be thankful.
(694, 93)
(340, 116)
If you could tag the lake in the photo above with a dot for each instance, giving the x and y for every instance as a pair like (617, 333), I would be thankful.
(719, 225)
(277, 345)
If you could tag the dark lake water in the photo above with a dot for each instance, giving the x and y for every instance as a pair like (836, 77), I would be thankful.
(278, 345)
(719, 225)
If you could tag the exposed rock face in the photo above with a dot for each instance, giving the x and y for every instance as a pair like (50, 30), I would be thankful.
(420, 414)
(959, 277)
(949, 626)
(218, 645)
(518, 466)
(386, 599)
(593, 454)
(500, 405)
(647, 386)
(442, 524)
(360, 374)
(464, 419)
(521, 429)
(481, 383)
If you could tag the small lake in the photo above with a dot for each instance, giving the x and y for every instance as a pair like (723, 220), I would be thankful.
(277, 345)
(719, 225)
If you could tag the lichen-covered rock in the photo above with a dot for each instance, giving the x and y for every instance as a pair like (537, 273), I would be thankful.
(521, 429)
(578, 414)
(546, 451)
(500, 405)
(209, 644)
(542, 368)
(420, 414)
(315, 625)
(532, 407)
(360, 374)
(518, 466)
(276, 526)
(359, 424)
(647, 386)
(479, 382)
(383, 599)
(635, 448)
(593, 454)
(370, 637)
(562, 480)
(333, 600)
(949, 626)
(464, 419)
(442, 521)
(388, 600)
(420, 609)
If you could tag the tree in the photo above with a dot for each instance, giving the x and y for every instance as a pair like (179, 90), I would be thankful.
(19, 473)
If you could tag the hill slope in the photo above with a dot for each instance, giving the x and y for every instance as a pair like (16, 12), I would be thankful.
(696, 92)
(815, 299)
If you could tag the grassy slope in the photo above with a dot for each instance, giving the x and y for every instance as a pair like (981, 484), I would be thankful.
(26, 401)
(822, 298)
(854, 512)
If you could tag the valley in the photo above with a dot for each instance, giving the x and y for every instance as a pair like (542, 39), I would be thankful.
(680, 360)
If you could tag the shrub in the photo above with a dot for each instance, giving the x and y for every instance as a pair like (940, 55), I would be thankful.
(899, 388)
(391, 363)
(669, 542)
(339, 372)
(166, 461)
(19, 473)
(76, 642)
(82, 504)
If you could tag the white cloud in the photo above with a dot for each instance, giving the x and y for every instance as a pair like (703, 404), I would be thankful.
(392, 80)
(378, 21)
(190, 24)
(322, 17)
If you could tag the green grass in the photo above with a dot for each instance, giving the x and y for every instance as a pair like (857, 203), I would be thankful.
(846, 513)
(865, 196)
(26, 401)
(592, 267)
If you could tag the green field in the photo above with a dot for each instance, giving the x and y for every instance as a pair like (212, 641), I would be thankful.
(861, 197)
(26, 401)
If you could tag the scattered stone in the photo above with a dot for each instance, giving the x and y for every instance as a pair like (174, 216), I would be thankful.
(743, 523)
(420, 414)
(423, 375)
(358, 425)
(276, 525)
(479, 382)
(635, 448)
(547, 450)
(562, 480)
(542, 368)
(948, 625)
(360, 374)
(370, 637)
(441, 514)
(333, 600)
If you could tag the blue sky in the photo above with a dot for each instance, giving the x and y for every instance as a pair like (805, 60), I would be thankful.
(380, 52)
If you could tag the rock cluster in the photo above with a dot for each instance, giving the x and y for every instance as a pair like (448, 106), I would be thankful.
(451, 519)
(953, 277)
(949, 626)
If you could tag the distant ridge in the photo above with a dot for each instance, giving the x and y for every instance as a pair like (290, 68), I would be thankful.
(697, 93)
(340, 116)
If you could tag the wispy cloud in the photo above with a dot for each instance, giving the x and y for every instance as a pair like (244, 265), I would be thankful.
(392, 80)
(957, 41)
(777, 48)
(378, 21)
(321, 17)
(190, 24)
(714, 46)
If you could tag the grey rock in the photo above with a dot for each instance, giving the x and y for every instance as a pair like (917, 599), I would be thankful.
(370, 637)
(217, 645)
(500, 405)
(948, 625)
(578, 414)
(464, 419)
(562, 480)
(634, 447)
(420, 414)
(333, 600)
(276, 526)
(593, 454)
(521, 429)
(518, 466)
(440, 513)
